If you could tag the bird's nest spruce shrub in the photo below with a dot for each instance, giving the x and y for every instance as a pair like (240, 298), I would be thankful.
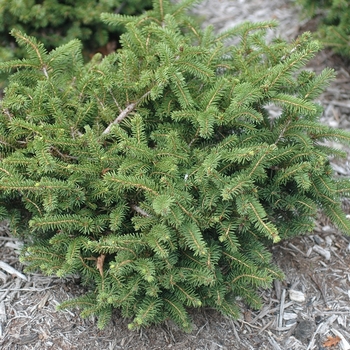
(157, 173)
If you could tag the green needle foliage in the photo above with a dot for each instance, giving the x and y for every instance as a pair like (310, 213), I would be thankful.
(334, 29)
(158, 173)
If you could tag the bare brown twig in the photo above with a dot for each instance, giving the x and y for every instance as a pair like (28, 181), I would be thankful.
(125, 112)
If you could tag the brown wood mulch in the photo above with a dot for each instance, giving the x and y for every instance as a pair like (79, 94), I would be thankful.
(309, 310)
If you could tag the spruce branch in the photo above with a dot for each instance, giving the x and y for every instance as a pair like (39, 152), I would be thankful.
(124, 113)
(284, 129)
(7, 113)
(5, 171)
(115, 101)
(62, 155)
(45, 72)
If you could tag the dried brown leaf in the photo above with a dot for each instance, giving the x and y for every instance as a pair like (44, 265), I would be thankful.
(99, 263)
(331, 341)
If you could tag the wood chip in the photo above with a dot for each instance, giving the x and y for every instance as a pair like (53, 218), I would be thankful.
(323, 252)
(3, 277)
(3, 317)
(15, 245)
(289, 316)
(280, 318)
(44, 300)
(11, 270)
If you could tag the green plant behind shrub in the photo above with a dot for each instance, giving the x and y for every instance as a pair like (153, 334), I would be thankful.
(56, 22)
(157, 173)
(334, 28)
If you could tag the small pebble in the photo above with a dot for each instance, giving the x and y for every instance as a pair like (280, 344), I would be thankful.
(327, 228)
(296, 295)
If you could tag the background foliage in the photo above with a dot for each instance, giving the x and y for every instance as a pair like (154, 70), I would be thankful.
(157, 173)
(334, 27)
(56, 22)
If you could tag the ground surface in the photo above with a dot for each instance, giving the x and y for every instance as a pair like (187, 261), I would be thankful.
(308, 310)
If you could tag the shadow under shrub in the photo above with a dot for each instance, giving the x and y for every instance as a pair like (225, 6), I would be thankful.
(157, 173)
